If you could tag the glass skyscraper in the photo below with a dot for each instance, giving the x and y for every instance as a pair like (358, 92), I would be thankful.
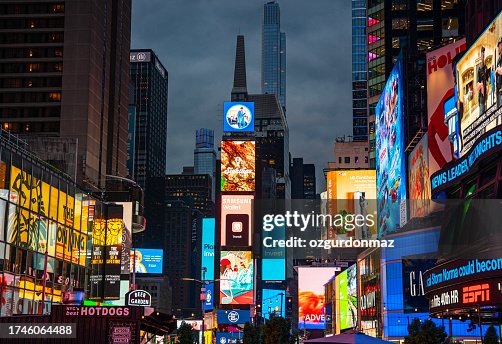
(273, 74)
(204, 155)
(359, 76)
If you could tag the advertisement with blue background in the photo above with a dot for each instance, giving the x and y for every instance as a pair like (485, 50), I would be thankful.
(228, 337)
(208, 233)
(390, 158)
(274, 258)
(273, 302)
(232, 317)
(209, 303)
(238, 117)
(146, 261)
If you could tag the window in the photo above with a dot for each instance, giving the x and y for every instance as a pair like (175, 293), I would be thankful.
(365, 159)
(339, 159)
(357, 160)
(34, 67)
(55, 96)
(347, 159)
(424, 5)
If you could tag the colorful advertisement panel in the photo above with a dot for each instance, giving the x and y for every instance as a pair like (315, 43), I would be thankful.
(419, 180)
(347, 192)
(238, 117)
(148, 261)
(125, 267)
(347, 298)
(236, 278)
(208, 243)
(311, 281)
(236, 220)
(196, 324)
(414, 299)
(390, 157)
(238, 165)
(479, 87)
(440, 92)
(113, 235)
(229, 337)
(273, 303)
(274, 258)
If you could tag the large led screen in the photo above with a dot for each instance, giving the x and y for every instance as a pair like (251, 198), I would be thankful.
(238, 165)
(236, 220)
(273, 303)
(347, 298)
(238, 117)
(345, 190)
(311, 281)
(208, 236)
(148, 261)
(479, 87)
(236, 278)
(390, 158)
(419, 181)
(440, 82)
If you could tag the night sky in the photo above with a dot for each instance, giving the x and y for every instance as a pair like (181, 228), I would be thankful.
(195, 40)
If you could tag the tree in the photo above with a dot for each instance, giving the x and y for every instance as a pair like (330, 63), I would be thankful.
(425, 333)
(491, 336)
(186, 334)
(251, 334)
(276, 331)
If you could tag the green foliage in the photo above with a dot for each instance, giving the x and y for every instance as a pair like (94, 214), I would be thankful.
(186, 335)
(425, 333)
(251, 334)
(491, 336)
(277, 331)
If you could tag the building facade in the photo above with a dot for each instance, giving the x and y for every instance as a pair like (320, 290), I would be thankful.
(359, 72)
(64, 82)
(303, 180)
(273, 53)
(204, 156)
(351, 155)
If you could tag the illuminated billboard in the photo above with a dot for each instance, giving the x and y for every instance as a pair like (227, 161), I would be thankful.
(347, 298)
(208, 242)
(273, 260)
(478, 88)
(419, 181)
(346, 192)
(236, 278)
(238, 117)
(148, 261)
(196, 324)
(273, 303)
(390, 158)
(236, 220)
(238, 165)
(414, 299)
(440, 93)
(311, 281)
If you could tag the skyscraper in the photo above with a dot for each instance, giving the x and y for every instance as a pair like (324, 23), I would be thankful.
(65, 82)
(204, 155)
(359, 72)
(149, 80)
(273, 73)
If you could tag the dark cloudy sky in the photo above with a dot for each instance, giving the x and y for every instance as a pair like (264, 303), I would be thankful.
(195, 40)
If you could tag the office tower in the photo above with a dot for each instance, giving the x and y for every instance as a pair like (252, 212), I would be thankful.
(478, 14)
(64, 82)
(204, 155)
(198, 187)
(273, 74)
(412, 27)
(303, 180)
(359, 72)
(149, 80)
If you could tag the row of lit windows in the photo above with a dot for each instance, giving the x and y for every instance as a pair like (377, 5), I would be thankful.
(33, 8)
(32, 23)
(30, 82)
(38, 37)
(14, 53)
(30, 97)
(47, 67)
(36, 127)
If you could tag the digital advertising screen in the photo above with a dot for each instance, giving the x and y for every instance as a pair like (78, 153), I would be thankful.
(347, 298)
(238, 165)
(479, 87)
(146, 260)
(238, 117)
(390, 157)
(352, 192)
(440, 96)
(236, 220)
(311, 281)
(414, 299)
(236, 278)
(196, 324)
(419, 180)
(274, 258)
(273, 303)
(209, 302)
(208, 243)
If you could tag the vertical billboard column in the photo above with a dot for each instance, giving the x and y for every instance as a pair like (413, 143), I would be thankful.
(390, 149)
(208, 243)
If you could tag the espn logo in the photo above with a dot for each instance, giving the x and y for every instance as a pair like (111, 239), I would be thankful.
(476, 293)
